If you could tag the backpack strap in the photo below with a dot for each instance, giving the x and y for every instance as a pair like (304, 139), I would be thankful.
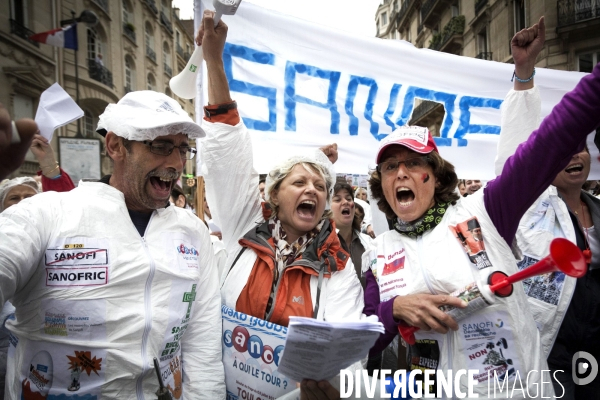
(235, 261)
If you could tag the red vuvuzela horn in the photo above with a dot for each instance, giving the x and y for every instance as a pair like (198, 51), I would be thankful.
(408, 333)
(564, 256)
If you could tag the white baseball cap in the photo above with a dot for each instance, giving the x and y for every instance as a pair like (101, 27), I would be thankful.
(145, 115)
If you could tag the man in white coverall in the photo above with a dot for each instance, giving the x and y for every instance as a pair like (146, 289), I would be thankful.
(108, 276)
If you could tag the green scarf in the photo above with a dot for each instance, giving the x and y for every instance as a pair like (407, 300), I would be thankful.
(427, 222)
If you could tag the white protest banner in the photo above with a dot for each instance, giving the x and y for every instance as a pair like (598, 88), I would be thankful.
(252, 349)
(300, 84)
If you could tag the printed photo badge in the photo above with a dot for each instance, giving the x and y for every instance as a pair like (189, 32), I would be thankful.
(82, 362)
(38, 382)
(424, 355)
(496, 357)
(175, 368)
(469, 235)
(173, 371)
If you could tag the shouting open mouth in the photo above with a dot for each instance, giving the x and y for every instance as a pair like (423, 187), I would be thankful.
(405, 196)
(307, 209)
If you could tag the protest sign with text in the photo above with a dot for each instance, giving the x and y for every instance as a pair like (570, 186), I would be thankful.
(252, 349)
(300, 84)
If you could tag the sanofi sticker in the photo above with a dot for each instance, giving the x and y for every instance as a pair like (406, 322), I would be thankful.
(77, 252)
(94, 276)
(187, 254)
(77, 261)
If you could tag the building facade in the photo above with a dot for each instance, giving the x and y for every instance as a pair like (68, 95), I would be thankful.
(484, 29)
(135, 45)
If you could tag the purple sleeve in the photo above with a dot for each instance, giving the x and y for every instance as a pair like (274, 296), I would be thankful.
(548, 151)
(384, 312)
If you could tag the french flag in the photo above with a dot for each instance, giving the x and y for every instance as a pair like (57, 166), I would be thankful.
(62, 37)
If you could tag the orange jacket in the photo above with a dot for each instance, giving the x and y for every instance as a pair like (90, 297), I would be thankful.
(323, 256)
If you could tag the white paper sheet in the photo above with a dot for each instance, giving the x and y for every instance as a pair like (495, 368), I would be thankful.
(56, 109)
(319, 350)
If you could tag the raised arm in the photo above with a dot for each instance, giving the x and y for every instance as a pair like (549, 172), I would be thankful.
(525, 47)
(521, 109)
(212, 39)
(54, 178)
(549, 149)
(227, 156)
(14, 145)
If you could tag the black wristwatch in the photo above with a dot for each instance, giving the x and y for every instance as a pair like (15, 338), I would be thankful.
(221, 109)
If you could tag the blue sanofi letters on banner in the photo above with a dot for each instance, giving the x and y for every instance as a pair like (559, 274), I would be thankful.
(302, 85)
(406, 104)
(252, 348)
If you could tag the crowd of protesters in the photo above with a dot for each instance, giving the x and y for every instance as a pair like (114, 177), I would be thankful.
(297, 241)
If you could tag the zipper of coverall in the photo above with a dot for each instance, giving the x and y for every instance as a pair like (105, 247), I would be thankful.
(147, 315)
(425, 275)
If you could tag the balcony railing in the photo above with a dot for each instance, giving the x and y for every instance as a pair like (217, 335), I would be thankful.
(22, 32)
(100, 73)
(103, 4)
(480, 5)
(426, 8)
(168, 69)
(150, 54)
(128, 30)
(422, 109)
(166, 23)
(152, 6)
(484, 55)
(179, 50)
(456, 26)
(406, 4)
(573, 11)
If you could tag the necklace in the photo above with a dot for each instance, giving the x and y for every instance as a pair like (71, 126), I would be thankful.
(587, 253)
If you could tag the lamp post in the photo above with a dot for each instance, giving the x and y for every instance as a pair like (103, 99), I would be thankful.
(90, 19)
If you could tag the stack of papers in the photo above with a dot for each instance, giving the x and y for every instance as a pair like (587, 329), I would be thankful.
(318, 350)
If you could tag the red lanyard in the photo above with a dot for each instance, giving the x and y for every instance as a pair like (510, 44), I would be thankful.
(587, 253)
